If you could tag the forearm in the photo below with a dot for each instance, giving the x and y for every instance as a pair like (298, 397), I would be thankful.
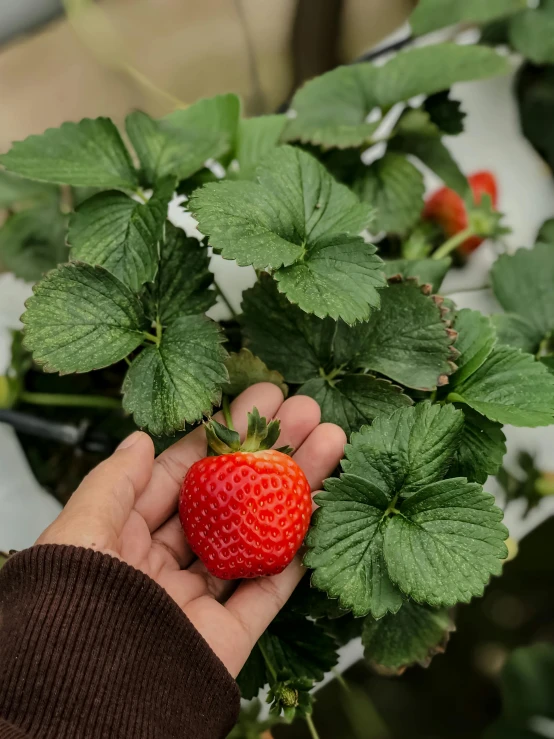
(92, 648)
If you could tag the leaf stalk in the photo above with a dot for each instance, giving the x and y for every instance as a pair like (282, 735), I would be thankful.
(311, 727)
(453, 242)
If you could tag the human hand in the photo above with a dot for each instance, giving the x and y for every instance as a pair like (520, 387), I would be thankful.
(127, 507)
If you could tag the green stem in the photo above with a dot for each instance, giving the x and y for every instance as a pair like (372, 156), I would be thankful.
(267, 660)
(543, 346)
(225, 300)
(488, 286)
(151, 337)
(84, 401)
(158, 331)
(139, 192)
(227, 413)
(311, 727)
(341, 681)
(330, 377)
(453, 242)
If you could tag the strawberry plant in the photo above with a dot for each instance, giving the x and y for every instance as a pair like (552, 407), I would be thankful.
(345, 306)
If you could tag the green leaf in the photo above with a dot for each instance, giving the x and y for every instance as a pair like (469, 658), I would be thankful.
(117, 233)
(390, 498)
(446, 543)
(510, 387)
(412, 636)
(340, 278)
(532, 34)
(522, 283)
(331, 110)
(283, 336)
(246, 369)
(394, 187)
(346, 547)
(534, 89)
(290, 643)
(548, 362)
(418, 136)
(182, 283)
(445, 113)
(257, 137)
(527, 683)
(408, 340)
(180, 143)
(253, 676)
(427, 271)
(180, 379)
(298, 221)
(354, 399)
(545, 234)
(32, 241)
(14, 189)
(515, 330)
(388, 461)
(409, 449)
(88, 153)
(431, 15)
(480, 449)
(81, 318)
(475, 341)
(314, 603)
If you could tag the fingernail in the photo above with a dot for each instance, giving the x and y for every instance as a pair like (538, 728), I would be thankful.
(130, 440)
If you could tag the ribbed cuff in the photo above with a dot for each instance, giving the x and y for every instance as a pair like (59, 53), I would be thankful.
(91, 648)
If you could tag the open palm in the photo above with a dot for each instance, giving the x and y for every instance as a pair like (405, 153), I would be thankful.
(127, 507)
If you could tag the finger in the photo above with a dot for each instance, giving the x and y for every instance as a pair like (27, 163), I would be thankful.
(170, 544)
(159, 500)
(96, 513)
(255, 603)
(299, 416)
(320, 453)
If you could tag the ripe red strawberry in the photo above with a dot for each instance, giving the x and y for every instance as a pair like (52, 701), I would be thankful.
(246, 512)
(448, 209)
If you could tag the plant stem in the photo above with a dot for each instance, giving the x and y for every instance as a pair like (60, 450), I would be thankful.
(151, 337)
(341, 681)
(311, 727)
(227, 413)
(225, 299)
(62, 399)
(139, 192)
(468, 290)
(543, 346)
(453, 242)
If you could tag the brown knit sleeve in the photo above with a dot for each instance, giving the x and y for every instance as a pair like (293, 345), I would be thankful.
(91, 648)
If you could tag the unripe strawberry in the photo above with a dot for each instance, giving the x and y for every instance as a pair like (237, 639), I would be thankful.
(246, 512)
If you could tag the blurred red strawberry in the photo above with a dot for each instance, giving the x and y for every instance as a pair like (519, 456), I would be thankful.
(446, 208)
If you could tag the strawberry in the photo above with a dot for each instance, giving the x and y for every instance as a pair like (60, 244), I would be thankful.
(245, 512)
(448, 209)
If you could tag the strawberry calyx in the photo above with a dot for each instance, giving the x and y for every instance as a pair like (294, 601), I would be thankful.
(260, 435)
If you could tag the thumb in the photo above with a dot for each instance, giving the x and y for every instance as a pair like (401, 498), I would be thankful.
(97, 511)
